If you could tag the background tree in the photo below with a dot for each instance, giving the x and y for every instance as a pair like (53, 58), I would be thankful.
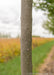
(49, 25)
(26, 37)
(2, 35)
(47, 5)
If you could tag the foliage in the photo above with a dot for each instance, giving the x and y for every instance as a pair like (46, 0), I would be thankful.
(36, 36)
(9, 48)
(49, 25)
(47, 5)
(40, 41)
(2, 35)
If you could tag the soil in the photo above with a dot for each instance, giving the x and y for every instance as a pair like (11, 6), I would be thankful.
(47, 68)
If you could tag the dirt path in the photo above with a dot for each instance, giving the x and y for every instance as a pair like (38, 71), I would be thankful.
(48, 66)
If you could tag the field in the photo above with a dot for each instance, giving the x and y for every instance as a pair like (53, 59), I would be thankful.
(9, 48)
(13, 67)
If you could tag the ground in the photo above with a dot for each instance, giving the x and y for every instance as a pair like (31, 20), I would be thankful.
(13, 66)
(48, 65)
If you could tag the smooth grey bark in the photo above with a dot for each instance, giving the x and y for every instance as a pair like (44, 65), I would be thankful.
(26, 37)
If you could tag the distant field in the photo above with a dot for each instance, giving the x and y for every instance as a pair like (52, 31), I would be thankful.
(9, 48)
(13, 66)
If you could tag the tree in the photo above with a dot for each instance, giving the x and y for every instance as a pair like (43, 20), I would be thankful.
(47, 5)
(26, 37)
(2, 35)
(49, 25)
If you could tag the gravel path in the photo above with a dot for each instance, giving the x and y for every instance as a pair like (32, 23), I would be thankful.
(48, 67)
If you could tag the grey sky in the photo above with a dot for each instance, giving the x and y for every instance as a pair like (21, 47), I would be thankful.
(10, 11)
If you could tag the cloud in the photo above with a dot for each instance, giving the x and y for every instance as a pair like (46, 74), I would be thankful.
(10, 13)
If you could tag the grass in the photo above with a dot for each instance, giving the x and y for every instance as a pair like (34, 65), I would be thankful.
(13, 67)
(40, 53)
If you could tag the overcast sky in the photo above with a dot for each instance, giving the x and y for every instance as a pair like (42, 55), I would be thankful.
(10, 11)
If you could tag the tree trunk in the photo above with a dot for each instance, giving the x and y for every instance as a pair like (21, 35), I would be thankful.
(26, 37)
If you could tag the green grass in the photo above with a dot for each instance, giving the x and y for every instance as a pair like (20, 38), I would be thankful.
(40, 53)
(13, 67)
